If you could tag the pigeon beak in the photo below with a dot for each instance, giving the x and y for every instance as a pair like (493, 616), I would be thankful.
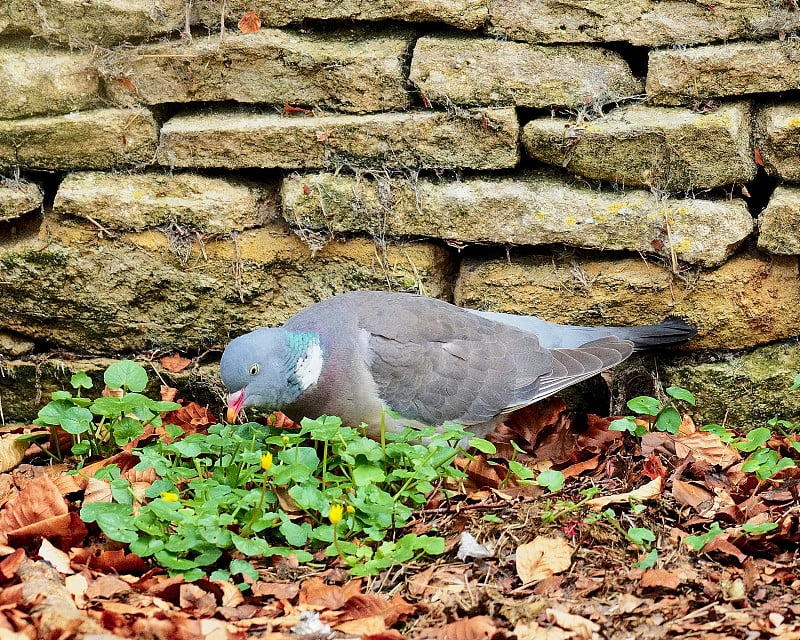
(235, 402)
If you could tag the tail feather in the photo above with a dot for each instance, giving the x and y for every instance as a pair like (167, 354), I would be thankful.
(671, 331)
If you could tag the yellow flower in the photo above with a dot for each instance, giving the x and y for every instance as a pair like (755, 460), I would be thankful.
(266, 461)
(168, 496)
(285, 440)
(351, 509)
(335, 514)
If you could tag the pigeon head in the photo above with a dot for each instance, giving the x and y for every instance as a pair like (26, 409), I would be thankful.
(270, 368)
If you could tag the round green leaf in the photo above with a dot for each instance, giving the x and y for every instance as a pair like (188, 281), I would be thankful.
(669, 420)
(76, 420)
(644, 404)
(126, 373)
(681, 394)
(80, 380)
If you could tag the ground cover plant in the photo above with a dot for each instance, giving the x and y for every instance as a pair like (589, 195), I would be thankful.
(157, 520)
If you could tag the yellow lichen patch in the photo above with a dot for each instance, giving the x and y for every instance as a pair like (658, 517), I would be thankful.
(683, 246)
(571, 221)
(714, 120)
(540, 216)
(793, 123)
(615, 207)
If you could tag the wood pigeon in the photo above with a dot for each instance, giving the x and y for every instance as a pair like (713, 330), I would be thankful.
(428, 361)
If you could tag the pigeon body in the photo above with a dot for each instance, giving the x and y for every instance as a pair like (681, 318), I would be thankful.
(429, 362)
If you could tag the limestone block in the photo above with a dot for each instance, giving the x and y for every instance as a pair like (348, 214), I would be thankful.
(478, 140)
(749, 300)
(34, 82)
(18, 197)
(482, 71)
(98, 139)
(464, 14)
(351, 71)
(97, 22)
(136, 201)
(649, 23)
(779, 222)
(742, 390)
(12, 345)
(141, 290)
(673, 149)
(778, 139)
(679, 76)
(531, 211)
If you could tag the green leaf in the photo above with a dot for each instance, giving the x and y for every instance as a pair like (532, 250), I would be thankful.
(323, 428)
(80, 380)
(644, 404)
(649, 561)
(622, 424)
(484, 446)
(368, 474)
(243, 567)
(640, 536)
(76, 420)
(109, 407)
(795, 384)
(755, 439)
(52, 413)
(296, 535)
(126, 373)
(61, 395)
(669, 420)
(699, 541)
(126, 430)
(759, 528)
(551, 479)
(681, 394)
(520, 470)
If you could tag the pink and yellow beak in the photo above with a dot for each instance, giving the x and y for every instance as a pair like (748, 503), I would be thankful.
(235, 402)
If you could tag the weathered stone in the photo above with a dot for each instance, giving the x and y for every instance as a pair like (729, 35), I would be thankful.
(136, 201)
(672, 149)
(26, 384)
(742, 390)
(778, 139)
(34, 82)
(478, 140)
(649, 23)
(18, 197)
(749, 300)
(481, 71)
(465, 14)
(534, 210)
(98, 139)
(72, 289)
(96, 22)
(779, 222)
(12, 345)
(679, 76)
(356, 72)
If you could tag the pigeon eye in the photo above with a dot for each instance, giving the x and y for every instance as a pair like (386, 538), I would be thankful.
(254, 370)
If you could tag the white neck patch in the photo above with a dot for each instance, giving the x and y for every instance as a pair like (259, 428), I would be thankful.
(309, 366)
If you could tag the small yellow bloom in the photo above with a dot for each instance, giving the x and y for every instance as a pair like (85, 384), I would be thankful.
(285, 440)
(335, 514)
(351, 509)
(168, 496)
(266, 461)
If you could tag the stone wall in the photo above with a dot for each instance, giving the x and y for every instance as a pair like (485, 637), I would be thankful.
(166, 184)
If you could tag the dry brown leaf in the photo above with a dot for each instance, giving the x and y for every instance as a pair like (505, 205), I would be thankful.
(707, 447)
(38, 501)
(689, 494)
(10, 564)
(647, 491)
(175, 364)
(250, 22)
(359, 626)
(57, 558)
(534, 631)
(542, 558)
(581, 628)
(106, 587)
(12, 451)
(660, 578)
(279, 590)
(318, 594)
(115, 560)
(477, 628)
